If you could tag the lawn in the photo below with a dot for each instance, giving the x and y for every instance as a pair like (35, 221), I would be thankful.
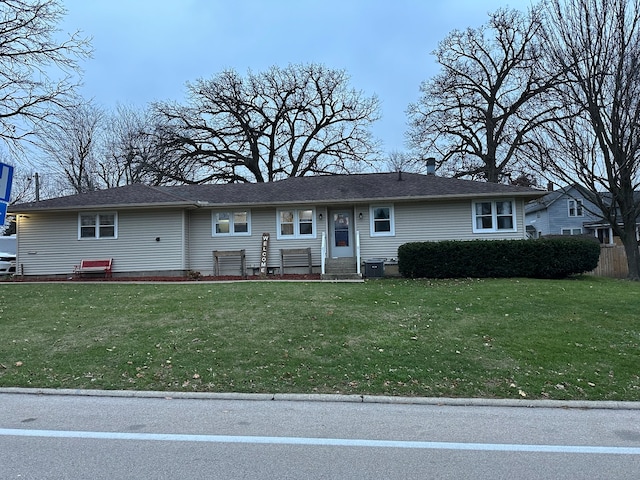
(492, 338)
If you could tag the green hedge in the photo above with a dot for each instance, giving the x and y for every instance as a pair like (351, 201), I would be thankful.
(557, 257)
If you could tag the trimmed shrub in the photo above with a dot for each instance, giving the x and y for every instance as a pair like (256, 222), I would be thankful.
(557, 257)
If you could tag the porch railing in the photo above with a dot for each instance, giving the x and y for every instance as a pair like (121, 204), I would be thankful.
(358, 252)
(323, 253)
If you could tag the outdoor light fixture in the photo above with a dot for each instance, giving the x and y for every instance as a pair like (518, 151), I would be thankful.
(360, 215)
(320, 215)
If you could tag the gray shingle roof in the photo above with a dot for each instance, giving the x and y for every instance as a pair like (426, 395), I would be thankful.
(137, 194)
(544, 201)
(319, 189)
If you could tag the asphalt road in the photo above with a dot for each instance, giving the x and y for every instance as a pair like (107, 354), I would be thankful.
(95, 437)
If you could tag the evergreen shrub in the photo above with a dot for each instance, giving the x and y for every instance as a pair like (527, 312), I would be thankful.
(549, 257)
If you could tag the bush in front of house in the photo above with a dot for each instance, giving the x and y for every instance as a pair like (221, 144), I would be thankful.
(557, 257)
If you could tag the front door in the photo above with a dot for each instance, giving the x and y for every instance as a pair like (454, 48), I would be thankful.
(341, 231)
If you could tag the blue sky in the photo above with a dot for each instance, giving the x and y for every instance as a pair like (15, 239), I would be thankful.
(146, 50)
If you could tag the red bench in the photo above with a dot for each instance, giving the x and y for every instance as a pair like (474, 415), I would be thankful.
(94, 266)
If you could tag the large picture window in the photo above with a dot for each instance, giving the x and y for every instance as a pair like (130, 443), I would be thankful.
(98, 225)
(296, 223)
(231, 223)
(494, 216)
(382, 222)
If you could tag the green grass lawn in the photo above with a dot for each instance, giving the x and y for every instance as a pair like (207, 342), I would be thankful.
(504, 338)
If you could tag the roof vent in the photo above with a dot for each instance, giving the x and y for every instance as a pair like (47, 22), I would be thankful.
(399, 175)
(431, 166)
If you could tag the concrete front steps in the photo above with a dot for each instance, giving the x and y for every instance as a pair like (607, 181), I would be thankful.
(340, 269)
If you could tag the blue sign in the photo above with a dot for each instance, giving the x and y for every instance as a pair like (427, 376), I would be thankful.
(6, 179)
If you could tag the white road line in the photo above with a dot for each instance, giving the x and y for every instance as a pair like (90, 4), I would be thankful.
(331, 442)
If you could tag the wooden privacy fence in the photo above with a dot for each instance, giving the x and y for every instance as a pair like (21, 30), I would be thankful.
(612, 263)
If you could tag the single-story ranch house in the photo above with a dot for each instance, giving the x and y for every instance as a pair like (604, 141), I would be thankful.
(329, 224)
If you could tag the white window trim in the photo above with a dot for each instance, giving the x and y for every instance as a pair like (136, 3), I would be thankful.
(372, 221)
(97, 226)
(571, 230)
(296, 223)
(494, 216)
(231, 233)
(577, 203)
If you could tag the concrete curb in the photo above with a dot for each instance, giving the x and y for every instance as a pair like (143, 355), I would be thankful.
(295, 397)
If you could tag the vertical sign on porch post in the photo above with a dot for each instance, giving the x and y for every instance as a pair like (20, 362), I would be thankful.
(264, 253)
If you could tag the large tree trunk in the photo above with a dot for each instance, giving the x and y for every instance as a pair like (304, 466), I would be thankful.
(626, 205)
(596, 46)
(632, 250)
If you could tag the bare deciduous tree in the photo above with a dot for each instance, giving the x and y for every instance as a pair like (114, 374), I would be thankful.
(596, 141)
(285, 122)
(131, 153)
(70, 146)
(477, 114)
(37, 71)
(404, 162)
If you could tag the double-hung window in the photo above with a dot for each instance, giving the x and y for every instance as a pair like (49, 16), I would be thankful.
(97, 225)
(382, 222)
(575, 207)
(494, 216)
(296, 223)
(571, 231)
(231, 223)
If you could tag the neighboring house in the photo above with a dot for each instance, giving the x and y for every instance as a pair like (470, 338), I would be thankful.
(176, 229)
(566, 212)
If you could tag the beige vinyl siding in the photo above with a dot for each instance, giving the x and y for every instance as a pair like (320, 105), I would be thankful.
(263, 220)
(137, 247)
(429, 222)
(49, 243)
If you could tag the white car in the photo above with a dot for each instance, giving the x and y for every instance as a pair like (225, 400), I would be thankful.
(7, 263)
